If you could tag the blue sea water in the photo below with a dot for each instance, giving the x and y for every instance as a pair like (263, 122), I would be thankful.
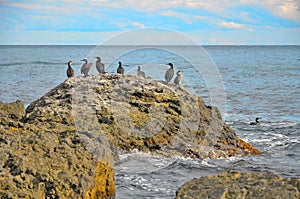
(258, 81)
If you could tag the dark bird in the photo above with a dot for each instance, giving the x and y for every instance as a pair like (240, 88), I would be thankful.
(100, 66)
(169, 73)
(256, 121)
(140, 73)
(120, 69)
(178, 77)
(85, 68)
(70, 70)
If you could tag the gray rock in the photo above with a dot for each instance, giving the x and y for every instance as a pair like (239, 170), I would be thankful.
(234, 184)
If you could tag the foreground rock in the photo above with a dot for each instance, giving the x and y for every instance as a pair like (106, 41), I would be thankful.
(234, 184)
(40, 163)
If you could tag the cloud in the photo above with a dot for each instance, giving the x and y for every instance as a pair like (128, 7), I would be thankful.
(285, 9)
(155, 5)
(39, 7)
(138, 24)
(230, 24)
(289, 10)
(185, 17)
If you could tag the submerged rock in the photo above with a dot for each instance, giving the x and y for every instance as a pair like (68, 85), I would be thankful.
(234, 184)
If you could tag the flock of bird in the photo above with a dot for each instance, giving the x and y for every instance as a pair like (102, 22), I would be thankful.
(120, 70)
(85, 68)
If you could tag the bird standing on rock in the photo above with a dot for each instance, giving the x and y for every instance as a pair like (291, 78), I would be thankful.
(169, 73)
(85, 68)
(140, 73)
(100, 66)
(70, 70)
(178, 77)
(120, 69)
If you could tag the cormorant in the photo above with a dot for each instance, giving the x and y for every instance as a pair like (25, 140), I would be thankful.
(120, 69)
(140, 73)
(256, 121)
(70, 70)
(178, 77)
(100, 66)
(85, 67)
(169, 73)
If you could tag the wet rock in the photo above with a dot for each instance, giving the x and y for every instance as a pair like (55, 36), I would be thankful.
(233, 184)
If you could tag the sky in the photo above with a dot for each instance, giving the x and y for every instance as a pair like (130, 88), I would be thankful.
(215, 22)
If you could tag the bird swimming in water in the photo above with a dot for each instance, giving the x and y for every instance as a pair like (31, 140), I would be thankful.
(178, 77)
(256, 121)
(85, 68)
(140, 73)
(169, 73)
(70, 70)
(120, 69)
(100, 66)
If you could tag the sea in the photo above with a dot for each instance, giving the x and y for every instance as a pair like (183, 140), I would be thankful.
(244, 82)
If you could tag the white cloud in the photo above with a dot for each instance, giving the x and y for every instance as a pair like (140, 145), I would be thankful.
(289, 10)
(230, 24)
(185, 17)
(286, 9)
(138, 24)
(37, 7)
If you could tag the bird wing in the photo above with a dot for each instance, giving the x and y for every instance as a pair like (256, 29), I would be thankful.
(169, 74)
(89, 65)
(82, 69)
(72, 72)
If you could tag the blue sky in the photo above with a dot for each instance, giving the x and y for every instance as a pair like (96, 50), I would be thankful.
(93, 21)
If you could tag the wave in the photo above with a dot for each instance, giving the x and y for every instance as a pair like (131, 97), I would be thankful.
(31, 63)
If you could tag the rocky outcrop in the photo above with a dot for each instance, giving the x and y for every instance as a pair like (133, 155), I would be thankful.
(126, 112)
(65, 144)
(39, 163)
(234, 184)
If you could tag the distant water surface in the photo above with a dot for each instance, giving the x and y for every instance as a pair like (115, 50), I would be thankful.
(260, 81)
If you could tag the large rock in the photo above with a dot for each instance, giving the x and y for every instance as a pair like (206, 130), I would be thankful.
(121, 113)
(234, 184)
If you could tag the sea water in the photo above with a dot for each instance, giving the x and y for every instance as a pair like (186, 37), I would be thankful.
(258, 81)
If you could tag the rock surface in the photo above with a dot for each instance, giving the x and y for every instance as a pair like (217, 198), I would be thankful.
(37, 162)
(234, 184)
(121, 113)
